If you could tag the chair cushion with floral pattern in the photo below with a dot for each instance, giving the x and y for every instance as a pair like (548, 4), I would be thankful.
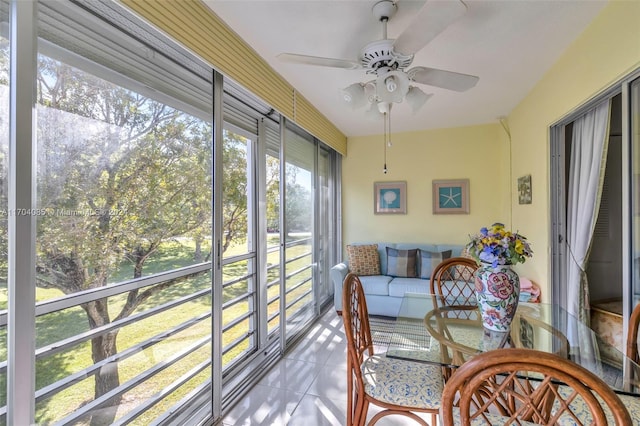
(403, 383)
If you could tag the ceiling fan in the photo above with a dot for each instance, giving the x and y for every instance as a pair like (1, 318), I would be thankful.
(389, 60)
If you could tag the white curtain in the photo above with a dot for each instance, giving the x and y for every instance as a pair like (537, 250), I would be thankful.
(586, 175)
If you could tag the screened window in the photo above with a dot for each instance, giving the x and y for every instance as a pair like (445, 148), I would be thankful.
(125, 252)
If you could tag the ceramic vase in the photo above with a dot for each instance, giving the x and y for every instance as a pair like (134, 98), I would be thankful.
(497, 293)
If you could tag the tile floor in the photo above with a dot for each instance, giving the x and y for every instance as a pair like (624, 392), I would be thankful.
(308, 387)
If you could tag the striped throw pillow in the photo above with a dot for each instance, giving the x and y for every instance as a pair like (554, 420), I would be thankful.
(401, 263)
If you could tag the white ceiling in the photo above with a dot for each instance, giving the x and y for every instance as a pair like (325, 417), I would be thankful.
(509, 44)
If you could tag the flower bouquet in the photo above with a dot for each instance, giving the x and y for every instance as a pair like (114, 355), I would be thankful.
(497, 246)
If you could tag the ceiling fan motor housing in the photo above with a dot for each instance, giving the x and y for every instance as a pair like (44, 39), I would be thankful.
(380, 54)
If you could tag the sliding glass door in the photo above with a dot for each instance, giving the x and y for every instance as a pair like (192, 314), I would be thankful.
(239, 264)
(310, 226)
(634, 118)
(272, 231)
(5, 119)
(614, 264)
(299, 230)
(123, 202)
(325, 223)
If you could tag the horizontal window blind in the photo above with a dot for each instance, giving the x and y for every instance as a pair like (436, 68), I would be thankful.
(81, 38)
(235, 116)
(244, 110)
(272, 131)
(299, 148)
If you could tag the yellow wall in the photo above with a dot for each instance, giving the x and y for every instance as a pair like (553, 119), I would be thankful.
(608, 50)
(479, 153)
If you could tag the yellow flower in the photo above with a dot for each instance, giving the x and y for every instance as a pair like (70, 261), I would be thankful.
(519, 247)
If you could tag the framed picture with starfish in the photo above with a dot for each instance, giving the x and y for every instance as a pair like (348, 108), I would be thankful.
(451, 196)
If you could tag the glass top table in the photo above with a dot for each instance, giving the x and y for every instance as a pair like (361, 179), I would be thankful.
(426, 330)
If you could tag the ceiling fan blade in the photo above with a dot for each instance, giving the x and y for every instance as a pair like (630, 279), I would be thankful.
(319, 61)
(431, 20)
(444, 79)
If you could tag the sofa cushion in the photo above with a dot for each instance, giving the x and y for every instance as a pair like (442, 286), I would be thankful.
(401, 263)
(364, 259)
(429, 260)
(399, 286)
(376, 284)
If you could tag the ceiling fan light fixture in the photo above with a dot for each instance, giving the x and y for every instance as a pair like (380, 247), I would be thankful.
(370, 91)
(354, 95)
(416, 98)
(373, 113)
(392, 86)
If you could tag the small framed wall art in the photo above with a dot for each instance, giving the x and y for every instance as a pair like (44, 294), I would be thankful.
(451, 196)
(524, 189)
(390, 197)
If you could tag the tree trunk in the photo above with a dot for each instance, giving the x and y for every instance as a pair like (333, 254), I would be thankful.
(197, 255)
(103, 347)
(139, 256)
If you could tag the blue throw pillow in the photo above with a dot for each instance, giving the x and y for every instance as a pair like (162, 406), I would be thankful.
(401, 263)
(429, 260)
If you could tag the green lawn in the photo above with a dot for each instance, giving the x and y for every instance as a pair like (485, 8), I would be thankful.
(60, 325)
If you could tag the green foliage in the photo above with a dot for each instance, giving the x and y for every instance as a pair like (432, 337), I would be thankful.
(135, 176)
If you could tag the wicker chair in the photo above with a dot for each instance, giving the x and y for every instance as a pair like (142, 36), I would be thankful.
(524, 386)
(633, 403)
(453, 281)
(453, 285)
(632, 335)
(399, 387)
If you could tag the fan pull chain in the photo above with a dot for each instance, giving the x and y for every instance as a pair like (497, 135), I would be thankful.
(389, 143)
(384, 170)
